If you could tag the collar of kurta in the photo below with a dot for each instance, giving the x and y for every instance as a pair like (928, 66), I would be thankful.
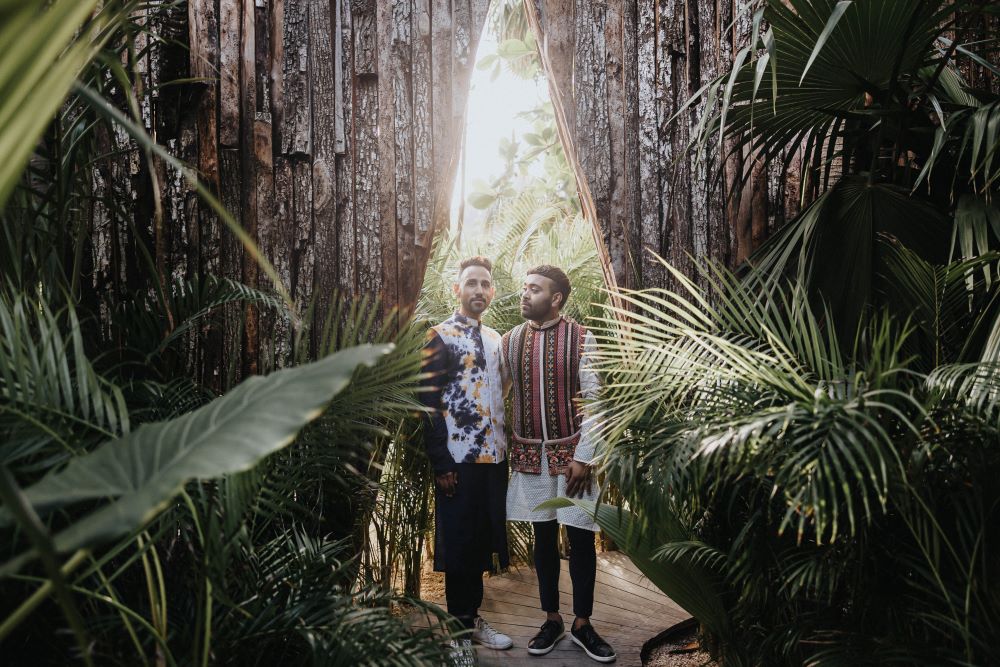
(467, 321)
(544, 325)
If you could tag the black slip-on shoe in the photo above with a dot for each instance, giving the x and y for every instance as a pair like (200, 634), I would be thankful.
(586, 637)
(547, 638)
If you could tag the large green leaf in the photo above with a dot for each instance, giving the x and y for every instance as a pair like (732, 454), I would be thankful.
(690, 584)
(144, 470)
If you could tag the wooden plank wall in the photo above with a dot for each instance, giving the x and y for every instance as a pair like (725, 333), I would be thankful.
(328, 127)
(624, 68)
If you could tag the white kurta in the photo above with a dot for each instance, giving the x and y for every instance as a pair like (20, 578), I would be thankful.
(526, 490)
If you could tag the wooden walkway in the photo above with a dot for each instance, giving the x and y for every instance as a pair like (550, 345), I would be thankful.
(628, 610)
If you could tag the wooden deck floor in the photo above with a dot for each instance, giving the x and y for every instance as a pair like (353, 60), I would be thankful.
(628, 610)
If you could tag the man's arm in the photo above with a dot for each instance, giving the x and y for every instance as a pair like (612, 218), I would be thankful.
(435, 365)
(505, 375)
(590, 388)
(578, 473)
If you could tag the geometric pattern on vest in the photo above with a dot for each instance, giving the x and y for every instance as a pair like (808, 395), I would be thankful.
(544, 364)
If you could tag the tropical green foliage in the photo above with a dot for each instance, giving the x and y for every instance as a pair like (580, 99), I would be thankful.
(812, 441)
(870, 95)
(535, 165)
(841, 500)
(47, 45)
(516, 46)
(173, 518)
(145, 469)
(551, 184)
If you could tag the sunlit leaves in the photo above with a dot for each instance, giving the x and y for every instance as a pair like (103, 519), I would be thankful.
(483, 195)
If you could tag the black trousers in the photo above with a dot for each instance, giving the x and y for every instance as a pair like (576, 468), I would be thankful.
(463, 590)
(582, 566)
(471, 535)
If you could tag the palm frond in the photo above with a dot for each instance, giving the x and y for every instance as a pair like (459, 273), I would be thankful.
(830, 247)
(836, 70)
(946, 304)
(52, 401)
(297, 602)
(152, 326)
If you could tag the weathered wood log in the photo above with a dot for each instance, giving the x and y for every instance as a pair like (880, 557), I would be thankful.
(324, 85)
(347, 257)
(230, 15)
(250, 157)
(358, 106)
(626, 69)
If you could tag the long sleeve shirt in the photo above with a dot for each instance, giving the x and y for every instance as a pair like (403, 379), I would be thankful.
(465, 393)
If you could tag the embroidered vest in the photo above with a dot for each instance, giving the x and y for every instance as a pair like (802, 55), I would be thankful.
(472, 396)
(544, 365)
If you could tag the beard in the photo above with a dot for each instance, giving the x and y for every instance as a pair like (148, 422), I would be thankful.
(476, 306)
(533, 311)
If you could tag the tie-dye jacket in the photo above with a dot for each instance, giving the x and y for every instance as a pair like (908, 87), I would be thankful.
(466, 392)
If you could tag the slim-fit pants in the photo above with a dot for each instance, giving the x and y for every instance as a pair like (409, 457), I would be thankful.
(463, 591)
(582, 566)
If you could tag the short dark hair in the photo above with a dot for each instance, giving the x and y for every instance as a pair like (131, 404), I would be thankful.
(556, 275)
(475, 260)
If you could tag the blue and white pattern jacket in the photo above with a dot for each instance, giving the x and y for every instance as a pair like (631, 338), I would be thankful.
(465, 390)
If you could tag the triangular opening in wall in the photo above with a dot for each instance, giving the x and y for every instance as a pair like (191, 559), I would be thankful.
(516, 198)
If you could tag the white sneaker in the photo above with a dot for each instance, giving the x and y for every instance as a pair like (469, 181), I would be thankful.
(462, 653)
(485, 634)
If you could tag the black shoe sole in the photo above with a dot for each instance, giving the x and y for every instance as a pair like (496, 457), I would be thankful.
(598, 658)
(548, 649)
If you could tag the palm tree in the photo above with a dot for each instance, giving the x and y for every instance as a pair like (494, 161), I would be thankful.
(893, 139)
(806, 448)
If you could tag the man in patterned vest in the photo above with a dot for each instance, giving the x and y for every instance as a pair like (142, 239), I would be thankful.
(548, 368)
(467, 445)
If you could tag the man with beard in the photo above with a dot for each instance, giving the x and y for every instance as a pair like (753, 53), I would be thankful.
(545, 361)
(466, 443)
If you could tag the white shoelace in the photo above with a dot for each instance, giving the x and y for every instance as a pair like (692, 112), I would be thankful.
(487, 629)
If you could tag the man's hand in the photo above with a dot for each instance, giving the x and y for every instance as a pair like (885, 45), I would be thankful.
(446, 483)
(577, 479)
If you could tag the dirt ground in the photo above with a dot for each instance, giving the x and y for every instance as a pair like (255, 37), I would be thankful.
(680, 652)
(431, 582)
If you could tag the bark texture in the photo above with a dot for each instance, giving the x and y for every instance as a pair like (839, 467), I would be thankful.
(623, 69)
(327, 127)
(330, 129)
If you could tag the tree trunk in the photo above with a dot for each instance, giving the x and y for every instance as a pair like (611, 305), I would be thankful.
(623, 70)
(329, 128)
